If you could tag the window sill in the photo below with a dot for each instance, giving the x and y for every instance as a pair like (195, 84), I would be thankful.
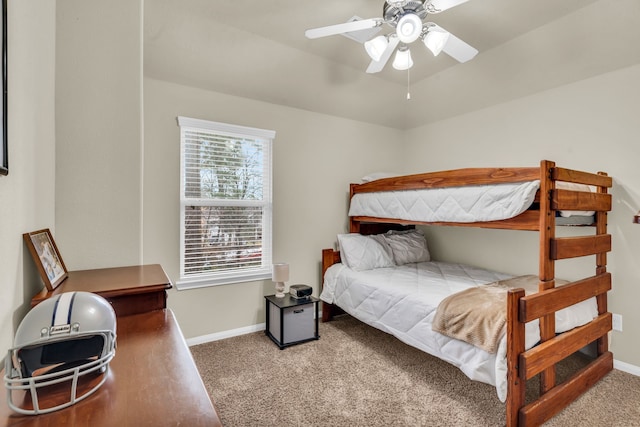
(206, 281)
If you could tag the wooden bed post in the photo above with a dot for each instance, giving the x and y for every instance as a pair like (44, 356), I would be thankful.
(547, 265)
(354, 226)
(329, 257)
(602, 344)
(327, 261)
(516, 382)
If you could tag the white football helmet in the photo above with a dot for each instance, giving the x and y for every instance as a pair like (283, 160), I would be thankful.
(60, 340)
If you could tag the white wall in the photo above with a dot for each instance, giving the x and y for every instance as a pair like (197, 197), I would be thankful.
(99, 132)
(27, 193)
(589, 125)
(315, 157)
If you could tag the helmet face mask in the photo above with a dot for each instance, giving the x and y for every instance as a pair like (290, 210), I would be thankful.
(64, 343)
(59, 355)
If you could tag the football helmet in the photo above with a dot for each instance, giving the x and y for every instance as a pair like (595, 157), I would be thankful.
(62, 339)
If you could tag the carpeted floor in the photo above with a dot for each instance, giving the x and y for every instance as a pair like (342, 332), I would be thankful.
(356, 375)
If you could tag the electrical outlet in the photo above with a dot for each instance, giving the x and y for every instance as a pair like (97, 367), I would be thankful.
(617, 322)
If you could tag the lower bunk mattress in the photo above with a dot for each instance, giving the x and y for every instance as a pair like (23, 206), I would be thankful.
(403, 301)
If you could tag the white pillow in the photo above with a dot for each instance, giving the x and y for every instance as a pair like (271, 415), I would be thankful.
(575, 187)
(377, 175)
(408, 246)
(360, 252)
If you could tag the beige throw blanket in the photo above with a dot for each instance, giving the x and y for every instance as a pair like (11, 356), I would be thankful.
(478, 315)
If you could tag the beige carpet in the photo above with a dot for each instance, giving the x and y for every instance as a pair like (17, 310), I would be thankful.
(356, 375)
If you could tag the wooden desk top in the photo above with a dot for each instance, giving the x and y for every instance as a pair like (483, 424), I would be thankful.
(111, 282)
(152, 381)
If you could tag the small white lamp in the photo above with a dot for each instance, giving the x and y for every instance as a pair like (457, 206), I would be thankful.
(280, 274)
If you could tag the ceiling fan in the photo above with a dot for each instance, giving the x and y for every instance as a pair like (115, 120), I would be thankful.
(407, 19)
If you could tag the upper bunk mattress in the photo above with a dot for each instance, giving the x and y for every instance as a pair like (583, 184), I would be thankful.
(474, 203)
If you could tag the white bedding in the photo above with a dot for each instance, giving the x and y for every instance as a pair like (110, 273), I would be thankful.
(402, 301)
(453, 204)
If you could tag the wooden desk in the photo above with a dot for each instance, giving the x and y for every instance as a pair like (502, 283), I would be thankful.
(152, 381)
(131, 290)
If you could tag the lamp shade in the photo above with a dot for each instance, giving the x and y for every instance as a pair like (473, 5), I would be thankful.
(376, 47)
(435, 40)
(403, 60)
(280, 272)
(409, 28)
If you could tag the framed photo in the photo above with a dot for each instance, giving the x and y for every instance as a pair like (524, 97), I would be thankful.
(4, 150)
(45, 254)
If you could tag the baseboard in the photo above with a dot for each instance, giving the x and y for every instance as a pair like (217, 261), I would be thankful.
(230, 333)
(225, 334)
(626, 367)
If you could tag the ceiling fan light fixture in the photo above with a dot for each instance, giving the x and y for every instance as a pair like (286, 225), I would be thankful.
(409, 28)
(397, 3)
(402, 60)
(435, 40)
(376, 47)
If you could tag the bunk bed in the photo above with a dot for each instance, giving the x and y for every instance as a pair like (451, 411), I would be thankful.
(552, 192)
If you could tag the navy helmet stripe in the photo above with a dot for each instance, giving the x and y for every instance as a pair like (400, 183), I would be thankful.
(70, 309)
(55, 309)
(62, 309)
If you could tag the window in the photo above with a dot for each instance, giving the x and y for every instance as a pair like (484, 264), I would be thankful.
(225, 203)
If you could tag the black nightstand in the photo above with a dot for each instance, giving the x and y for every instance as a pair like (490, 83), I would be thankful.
(291, 321)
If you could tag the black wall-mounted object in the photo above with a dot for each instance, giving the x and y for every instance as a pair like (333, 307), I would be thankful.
(4, 150)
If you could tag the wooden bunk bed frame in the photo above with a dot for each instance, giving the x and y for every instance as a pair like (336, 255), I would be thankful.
(541, 359)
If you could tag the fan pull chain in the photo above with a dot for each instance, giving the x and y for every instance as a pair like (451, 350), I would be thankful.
(408, 85)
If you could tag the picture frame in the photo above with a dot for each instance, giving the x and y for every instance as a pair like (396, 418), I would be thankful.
(4, 147)
(46, 256)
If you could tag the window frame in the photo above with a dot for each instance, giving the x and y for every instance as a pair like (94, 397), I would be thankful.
(267, 137)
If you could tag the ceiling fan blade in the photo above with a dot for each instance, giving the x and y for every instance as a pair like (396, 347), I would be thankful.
(436, 6)
(347, 27)
(377, 66)
(456, 48)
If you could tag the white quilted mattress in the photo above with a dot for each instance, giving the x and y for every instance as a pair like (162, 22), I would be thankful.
(453, 204)
(402, 301)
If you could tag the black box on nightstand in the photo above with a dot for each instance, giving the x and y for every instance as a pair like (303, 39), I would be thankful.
(300, 291)
(291, 320)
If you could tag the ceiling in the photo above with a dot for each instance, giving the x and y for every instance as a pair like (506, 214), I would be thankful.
(257, 49)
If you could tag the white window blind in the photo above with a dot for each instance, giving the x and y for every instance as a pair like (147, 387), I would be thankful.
(225, 203)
